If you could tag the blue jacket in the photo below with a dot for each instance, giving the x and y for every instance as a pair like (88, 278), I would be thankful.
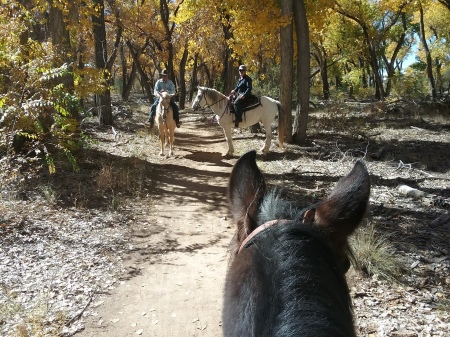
(244, 86)
(161, 85)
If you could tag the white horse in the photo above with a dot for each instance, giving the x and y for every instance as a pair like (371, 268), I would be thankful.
(165, 122)
(220, 105)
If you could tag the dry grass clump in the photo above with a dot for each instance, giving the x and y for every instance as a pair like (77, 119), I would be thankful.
(375, 254)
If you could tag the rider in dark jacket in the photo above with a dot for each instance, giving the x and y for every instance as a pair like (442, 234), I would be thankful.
(244, 90)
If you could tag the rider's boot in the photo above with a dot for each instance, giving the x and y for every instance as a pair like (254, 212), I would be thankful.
(151, 122)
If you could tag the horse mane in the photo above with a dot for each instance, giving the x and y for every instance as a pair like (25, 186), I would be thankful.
(214, 95)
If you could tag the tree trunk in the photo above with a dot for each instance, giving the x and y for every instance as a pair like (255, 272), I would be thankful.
(439, 82)
(144, 78)
(303, 71)
(379, 89)
(423, 39)
(182, 74)
(168, 26)
(390, 64)
(128, 81)
(194, 81)
(101, 55)
(228, 74)
(321, 58)
(61, 41)
(286, 81)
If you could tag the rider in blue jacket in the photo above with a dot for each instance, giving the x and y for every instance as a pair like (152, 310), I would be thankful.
(164, 84)
(244, 90)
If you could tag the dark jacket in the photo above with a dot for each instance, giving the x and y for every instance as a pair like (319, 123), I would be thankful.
(244, 86)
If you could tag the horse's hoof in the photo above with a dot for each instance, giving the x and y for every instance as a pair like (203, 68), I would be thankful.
(161, 154)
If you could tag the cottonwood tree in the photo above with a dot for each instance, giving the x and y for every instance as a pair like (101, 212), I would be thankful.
(303, 72)
(376, 20)
(286, 74)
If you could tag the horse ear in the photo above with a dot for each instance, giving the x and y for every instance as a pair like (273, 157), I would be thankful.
(246, 190)
(342, 211)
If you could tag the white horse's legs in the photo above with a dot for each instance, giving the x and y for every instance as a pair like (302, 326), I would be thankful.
(268, 127)
(229, 138)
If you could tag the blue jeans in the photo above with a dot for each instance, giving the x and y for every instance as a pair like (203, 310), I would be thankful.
(176, 111)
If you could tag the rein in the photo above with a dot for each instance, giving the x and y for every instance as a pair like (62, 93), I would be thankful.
(247, 242)
(209, 105)
(163, 114)
(227, 107)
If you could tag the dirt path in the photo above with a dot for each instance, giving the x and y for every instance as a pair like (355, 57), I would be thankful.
(174, 279)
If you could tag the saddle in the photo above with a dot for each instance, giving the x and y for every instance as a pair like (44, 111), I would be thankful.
(250, 103)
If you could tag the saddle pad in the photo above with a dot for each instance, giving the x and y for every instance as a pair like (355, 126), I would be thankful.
(249, 103)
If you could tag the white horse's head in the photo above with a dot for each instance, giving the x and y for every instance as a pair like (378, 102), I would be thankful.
(200, 100)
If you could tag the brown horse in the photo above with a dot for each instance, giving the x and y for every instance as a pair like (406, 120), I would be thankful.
(165, 122)
(287, 274)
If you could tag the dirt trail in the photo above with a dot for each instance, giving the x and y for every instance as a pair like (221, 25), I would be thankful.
(174, 278)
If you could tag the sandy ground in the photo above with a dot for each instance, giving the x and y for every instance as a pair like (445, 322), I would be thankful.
(175, 277)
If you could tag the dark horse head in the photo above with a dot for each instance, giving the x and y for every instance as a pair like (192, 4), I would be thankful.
(287, 274)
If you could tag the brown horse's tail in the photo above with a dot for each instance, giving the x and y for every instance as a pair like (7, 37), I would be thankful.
(281, 126)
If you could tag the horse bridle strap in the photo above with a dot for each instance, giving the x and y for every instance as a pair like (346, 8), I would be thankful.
(248, 240)
(206, 101)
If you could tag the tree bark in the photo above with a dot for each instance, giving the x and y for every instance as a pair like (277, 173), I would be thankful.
(423, 39)
(127, 81)
(286, 81)
(101, 57)
(144, 78)
(390, 64)
(194, 81)
(169, 28)
(303, 71)
(321, 57)
(229, 70)
(182, 98)
(61, 41)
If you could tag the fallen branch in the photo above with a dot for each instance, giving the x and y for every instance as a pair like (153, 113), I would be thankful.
(115, 133)
(402, 165)
(78, 316)
(443, 219)
(413, 192)
(416, 128)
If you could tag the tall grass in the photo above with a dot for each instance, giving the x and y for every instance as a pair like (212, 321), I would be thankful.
(375, 253)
